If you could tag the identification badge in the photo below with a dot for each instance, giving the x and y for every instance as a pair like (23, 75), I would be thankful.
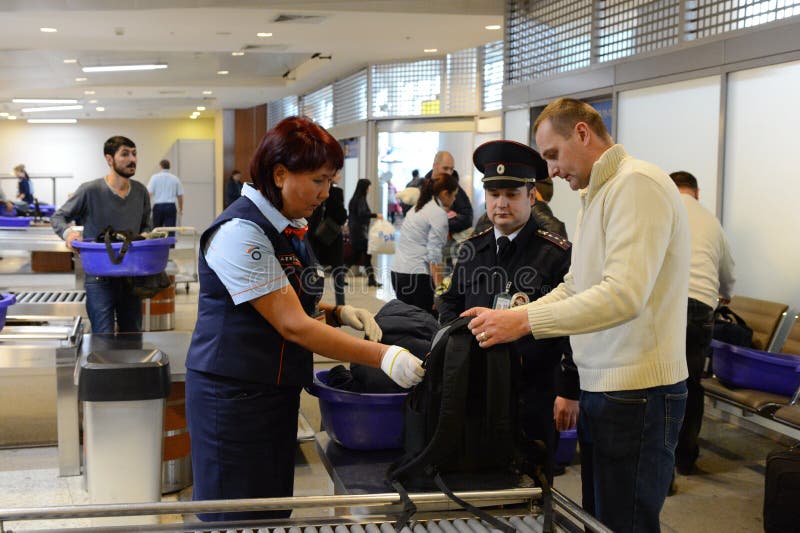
(519, 298)
(503, 300)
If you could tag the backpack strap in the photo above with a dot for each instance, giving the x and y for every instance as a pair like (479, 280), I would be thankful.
(409, 508)
(493, 521)
(113, 256)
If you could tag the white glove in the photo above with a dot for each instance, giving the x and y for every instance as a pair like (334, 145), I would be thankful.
(362, 320)
(402, 367)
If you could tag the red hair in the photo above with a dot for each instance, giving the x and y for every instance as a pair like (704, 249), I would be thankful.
(299, 144)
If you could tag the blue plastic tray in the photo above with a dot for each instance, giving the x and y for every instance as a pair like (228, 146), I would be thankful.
(359, 421)
(567, 443)
(143, 258)
(6, 300)
(748, 368)
(15, 222)
(46, 209)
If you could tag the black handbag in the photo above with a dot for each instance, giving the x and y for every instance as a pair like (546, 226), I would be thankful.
(139, 286)
(731, 328)
(328, 230)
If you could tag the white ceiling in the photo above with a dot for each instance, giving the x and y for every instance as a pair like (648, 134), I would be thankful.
(196, 39)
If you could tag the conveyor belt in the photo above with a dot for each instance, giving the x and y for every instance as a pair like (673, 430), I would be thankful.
(53, 303)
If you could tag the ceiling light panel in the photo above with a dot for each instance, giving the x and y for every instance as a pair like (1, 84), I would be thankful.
(123, 68)
(44, 101)
(51, 120)
(51, 108)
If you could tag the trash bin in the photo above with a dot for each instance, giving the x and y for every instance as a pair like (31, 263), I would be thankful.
(123, 393)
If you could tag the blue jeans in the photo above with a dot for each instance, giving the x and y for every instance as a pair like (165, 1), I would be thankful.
(628, 441)
(110, 297)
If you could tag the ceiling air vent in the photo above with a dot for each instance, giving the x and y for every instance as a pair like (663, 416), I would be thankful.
(301, 19)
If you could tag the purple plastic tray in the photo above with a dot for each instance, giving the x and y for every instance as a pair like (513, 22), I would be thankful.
(359, 421)
(46, 209)
(6, 300)
(747, 368)
(15, 222)
(567, 443)
(143, 258)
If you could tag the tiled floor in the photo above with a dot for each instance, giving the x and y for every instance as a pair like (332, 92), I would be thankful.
(725, 496)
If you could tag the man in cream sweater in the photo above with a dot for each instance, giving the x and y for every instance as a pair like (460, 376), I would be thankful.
(623, 302)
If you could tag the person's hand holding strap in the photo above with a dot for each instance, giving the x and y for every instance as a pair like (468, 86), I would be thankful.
(360, 319)
(402, 367)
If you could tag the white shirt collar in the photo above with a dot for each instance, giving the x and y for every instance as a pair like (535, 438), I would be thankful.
(269, 211)
(511, 236)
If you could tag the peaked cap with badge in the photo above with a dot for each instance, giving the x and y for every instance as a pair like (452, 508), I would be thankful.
(508, 164)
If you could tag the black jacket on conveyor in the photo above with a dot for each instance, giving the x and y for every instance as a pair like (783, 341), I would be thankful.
(402, 324)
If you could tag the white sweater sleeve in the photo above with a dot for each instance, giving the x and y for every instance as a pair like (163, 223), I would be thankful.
(726, 276)
(638, 223)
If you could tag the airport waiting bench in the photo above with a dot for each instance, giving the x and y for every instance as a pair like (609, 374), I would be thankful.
(778, 412)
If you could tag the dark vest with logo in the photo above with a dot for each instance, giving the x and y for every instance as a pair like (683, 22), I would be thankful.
(235, 340)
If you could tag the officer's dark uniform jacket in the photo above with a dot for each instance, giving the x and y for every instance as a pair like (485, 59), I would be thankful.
(537, 264)
(235, 340)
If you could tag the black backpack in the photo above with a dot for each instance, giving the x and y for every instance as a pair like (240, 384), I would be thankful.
(731, 328)
(461, 425)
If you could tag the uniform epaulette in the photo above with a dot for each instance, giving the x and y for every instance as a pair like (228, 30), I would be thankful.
(555, 238)
(481, 234)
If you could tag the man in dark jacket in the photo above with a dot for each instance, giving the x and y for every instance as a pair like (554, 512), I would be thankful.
(511, 263)
(460, 214)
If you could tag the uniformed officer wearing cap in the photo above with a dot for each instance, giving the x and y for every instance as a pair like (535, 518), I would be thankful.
(511, 263)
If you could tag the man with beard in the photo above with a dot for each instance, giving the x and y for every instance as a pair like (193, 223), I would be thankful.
(511, 263)
(114, 200)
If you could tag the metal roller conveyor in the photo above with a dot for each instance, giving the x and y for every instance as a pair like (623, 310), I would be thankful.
(569, 517)
(52, 303)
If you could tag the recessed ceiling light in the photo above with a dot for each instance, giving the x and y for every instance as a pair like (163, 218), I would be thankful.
(201, 108)
(44, 101)
(493, 27)
(100, 108)
(263, 34)
(193, 117)
(48, 30)
(222, 72)
(3, 114)
(88, 92)
(208, 92)
(70, 61)
(51, 108)
(80, 79)
(12, 117)
(123, 68)
(237, 53)
(430, 50)
(93, 101)
(52, 121)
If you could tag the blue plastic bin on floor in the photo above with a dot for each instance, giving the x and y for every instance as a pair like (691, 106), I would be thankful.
(15, 222)
(359, 421)
(144, 258)
(567, 443)
(6, 301)
(747, 368)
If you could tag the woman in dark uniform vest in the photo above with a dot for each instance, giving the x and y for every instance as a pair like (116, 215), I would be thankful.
(259, 321)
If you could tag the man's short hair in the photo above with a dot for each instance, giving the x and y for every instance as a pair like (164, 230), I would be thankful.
(545, 189)
(437, 159)
(113, 144)
(684, 180)
(164, 164)
(564, 113)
